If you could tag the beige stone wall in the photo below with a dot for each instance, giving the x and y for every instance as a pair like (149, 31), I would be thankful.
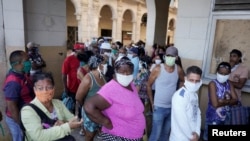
(230, 34)
(105, 20)
(190, 62)
(71, 18)
(54, 57)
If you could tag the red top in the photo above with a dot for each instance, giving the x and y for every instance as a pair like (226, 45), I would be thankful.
(69, 68)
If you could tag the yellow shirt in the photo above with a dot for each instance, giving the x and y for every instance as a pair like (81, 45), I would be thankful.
(34, 128)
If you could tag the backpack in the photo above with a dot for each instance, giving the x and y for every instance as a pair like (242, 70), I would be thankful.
(68, 102)
(46, 122)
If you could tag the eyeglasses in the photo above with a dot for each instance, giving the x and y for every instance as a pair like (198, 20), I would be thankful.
(41, 88)
(224, 66)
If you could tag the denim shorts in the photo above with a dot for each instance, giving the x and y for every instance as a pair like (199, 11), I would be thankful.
(88, 124)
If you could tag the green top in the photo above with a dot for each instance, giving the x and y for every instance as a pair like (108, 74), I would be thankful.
(94, 87)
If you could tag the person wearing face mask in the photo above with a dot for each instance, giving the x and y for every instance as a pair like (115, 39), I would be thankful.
(133, 56)
(185, 112)
(141, 85)
(106, 49)
(65, 121)
(35, 58)
(17, 91)
(122, 52)
(83, 68)
(88, 87)
(81, 72)
(221, 96)
(165, 77)
(69, 72)
(117, 106)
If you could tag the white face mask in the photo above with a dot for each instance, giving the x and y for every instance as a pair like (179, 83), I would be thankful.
(192, 87)
(107, 53)
(170, 61)
(222, 78)
(157, 61)
(105, 69)
(124, 80)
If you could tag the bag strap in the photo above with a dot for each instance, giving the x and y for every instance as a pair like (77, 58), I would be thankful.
(40, 113)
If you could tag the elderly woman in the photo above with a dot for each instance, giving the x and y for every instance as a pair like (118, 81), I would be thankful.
(88, 87)
(35, 130)
(117, 106)
(221, 96)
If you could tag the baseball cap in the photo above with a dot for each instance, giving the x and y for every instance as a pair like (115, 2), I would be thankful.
(32, 44)
(173, 51)
(134, 50)
(78, 46)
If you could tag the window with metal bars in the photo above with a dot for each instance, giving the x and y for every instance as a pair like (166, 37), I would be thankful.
(231, 5)
(72, 36)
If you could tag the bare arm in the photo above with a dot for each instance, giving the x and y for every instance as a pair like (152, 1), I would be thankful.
(93, 107)
(64, 79)
(240, 84)
(234, 98)
(82, 91)
(80, 75)
(153, 75)
(181, 76)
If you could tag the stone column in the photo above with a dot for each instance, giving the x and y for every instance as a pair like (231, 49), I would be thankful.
(134, 31)
(93, 19)
(138, 23)
(119, 23)
(78, 18)
(83, 23)
(114, 27)
(156, 22)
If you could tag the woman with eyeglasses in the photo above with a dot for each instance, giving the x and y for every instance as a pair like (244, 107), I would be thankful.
(221, 96)
(117, 106)
(35, 128)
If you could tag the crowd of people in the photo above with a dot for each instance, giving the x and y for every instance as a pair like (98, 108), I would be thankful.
(114, 88)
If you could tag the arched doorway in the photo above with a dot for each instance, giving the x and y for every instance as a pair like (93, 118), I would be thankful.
(127, 27)
(105, 22)
(143, 26)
